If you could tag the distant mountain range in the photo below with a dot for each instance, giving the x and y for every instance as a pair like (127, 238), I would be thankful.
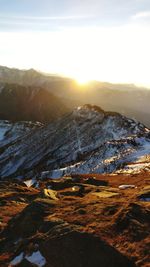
(87, 140)
(126, 99)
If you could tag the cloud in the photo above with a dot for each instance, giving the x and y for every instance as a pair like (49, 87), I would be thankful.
(39, 22)
(44, 18)
(141, 15)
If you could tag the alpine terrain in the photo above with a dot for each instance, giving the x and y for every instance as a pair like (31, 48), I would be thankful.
(74, 133)
(75, 191)
(87, 140)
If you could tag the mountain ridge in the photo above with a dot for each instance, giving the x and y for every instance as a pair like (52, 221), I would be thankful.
(87, 140)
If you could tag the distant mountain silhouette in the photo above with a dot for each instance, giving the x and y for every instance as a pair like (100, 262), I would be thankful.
(126, 99)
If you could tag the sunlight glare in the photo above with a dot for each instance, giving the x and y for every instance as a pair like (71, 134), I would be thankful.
(114, 55)
(81, 80)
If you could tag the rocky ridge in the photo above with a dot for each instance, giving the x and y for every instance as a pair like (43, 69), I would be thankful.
(87, 140)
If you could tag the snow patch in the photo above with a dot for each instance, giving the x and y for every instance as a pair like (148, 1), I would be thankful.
(30, 182)
(2, 133)
(126, 186)
(16, 260)
(35, 258)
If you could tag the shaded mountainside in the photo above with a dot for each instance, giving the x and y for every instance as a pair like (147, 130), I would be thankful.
(75, 221)
(87, 140)
(18, 103)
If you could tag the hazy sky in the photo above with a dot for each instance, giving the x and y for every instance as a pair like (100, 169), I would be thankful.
(107, 40)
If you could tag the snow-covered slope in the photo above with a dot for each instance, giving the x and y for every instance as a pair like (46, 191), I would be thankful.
(11, 132)
(88, 140)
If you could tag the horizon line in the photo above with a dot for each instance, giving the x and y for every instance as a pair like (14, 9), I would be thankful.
(138, 85)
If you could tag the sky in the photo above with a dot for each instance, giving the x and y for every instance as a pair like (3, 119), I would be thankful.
(106, 40)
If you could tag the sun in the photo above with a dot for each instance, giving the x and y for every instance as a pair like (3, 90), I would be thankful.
(82, 80)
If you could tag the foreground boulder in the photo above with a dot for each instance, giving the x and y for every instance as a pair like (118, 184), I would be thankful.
(76, 248)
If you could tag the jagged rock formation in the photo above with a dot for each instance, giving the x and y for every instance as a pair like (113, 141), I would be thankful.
(88, 140)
